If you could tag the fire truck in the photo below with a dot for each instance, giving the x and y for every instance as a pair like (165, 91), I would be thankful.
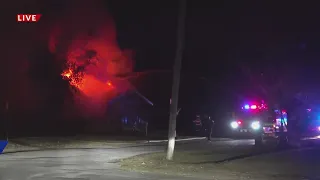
(259, 122)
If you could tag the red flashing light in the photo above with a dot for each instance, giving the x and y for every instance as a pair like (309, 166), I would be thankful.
(239, 122)
(253, 107)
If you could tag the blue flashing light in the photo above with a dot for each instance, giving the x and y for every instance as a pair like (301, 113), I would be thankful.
(246, 106)
(3, 144)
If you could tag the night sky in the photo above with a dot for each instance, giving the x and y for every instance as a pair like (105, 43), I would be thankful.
(222, 39)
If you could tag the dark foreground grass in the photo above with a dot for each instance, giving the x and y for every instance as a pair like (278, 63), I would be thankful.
(200, 164)
(248, 164)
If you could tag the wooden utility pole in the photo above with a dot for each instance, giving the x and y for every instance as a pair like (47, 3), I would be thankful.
(176, 79)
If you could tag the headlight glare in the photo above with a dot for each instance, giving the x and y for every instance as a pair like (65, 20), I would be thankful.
(234, 124)
(255, 125)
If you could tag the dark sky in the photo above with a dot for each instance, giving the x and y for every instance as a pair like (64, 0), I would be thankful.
(221, 37)
(219, 31)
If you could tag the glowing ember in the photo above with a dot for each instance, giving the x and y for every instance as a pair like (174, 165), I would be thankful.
(67, 74)
(75, 79)
(109, 84)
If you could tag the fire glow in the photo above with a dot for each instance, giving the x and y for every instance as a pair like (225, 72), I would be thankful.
(82, 81)
(92, 62)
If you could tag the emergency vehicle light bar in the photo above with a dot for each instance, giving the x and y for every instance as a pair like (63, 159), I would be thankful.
(250, 107)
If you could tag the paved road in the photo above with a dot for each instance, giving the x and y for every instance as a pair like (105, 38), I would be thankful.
(96, 164)
(93, 164)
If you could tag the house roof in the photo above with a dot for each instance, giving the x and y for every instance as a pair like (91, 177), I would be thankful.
(132, 94)
(144, 98)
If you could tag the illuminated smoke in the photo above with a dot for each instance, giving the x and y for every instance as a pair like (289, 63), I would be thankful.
(92, 58)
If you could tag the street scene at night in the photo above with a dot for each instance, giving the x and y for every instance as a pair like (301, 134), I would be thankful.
(137, 89)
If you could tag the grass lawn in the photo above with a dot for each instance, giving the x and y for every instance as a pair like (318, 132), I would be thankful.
(246, 164)
(21, 144)
(192, 163)
(13, 147)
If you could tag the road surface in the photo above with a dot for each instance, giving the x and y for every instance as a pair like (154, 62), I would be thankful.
(82, 164)
(93, 164)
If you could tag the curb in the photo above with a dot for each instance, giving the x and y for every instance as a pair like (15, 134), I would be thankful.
(177, 140)
(190, 139)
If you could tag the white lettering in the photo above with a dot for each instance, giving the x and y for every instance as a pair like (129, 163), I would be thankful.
(34, 18)
(28, 17)
(19, 18)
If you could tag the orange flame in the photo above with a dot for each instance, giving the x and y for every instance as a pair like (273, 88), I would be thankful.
(84, 83)
(75, 79)
(67, 73)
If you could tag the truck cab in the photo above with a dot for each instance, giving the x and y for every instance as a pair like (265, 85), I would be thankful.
(249, 119)
(259, 122)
